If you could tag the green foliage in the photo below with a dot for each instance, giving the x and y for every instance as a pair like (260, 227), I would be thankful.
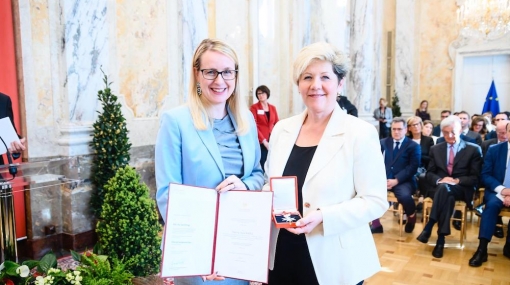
(97, 270)
(130, 229)
(93, 270)
(395, 106)
(110, 143)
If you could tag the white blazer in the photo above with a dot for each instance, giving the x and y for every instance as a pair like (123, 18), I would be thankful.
(347, 181)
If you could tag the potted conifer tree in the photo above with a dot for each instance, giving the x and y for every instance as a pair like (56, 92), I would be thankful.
(110, 143)
(130, 230)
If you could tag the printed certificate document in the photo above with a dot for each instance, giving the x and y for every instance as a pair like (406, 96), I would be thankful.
(207, 232)
(7, 133)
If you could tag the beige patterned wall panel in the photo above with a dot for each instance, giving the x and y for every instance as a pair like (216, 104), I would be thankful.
(142, 47)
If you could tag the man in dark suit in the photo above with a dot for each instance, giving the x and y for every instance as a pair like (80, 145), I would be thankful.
(436, 131)
(496, 178)
(465, 120)
(501, 136)
(500, 117)
(453, 172)
(401, 158)
(6, 111)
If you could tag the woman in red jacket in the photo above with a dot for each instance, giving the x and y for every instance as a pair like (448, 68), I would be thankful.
(266, 117)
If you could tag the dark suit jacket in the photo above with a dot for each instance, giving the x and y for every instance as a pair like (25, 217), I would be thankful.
(462, 137)
(6, 111)
(476, 136)
(494, 166)
(491, 135)
(405, 164)
(486, 144)
(436, 131)
(425, 144)
(466, 167)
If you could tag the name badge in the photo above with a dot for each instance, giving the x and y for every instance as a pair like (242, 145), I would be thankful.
(260, 112)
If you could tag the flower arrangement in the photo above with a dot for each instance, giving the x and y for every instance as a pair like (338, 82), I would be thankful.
(93, 269)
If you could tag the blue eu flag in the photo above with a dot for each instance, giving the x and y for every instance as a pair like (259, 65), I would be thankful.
(491, 101)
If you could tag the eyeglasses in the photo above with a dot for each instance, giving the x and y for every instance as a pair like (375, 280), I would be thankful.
(211, 74)
(415, 125)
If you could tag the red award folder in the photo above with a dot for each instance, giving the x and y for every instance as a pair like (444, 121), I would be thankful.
(208, 232)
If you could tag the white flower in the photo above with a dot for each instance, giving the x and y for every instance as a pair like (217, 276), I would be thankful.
(2, 266)
(23, 271)
(39, 280)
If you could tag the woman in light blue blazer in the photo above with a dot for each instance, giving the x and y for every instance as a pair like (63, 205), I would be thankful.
(212, 140)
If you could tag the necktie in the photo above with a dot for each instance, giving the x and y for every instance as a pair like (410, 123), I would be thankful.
(395, 150)
(451, 157)
(506, 183)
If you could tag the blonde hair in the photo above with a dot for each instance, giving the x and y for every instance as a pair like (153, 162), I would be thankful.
(321, 51)
(410, 122)
(235, 102)
(385, 103)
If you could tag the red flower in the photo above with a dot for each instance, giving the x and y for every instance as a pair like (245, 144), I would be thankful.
(9, 282)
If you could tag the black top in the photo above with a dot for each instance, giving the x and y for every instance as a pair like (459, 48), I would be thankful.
(267, 115)
(297, 165)
(424, 115)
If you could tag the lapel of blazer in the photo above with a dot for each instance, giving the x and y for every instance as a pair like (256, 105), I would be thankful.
(388, 150)
(263, 116)
(285, 143)
(441, 156)
(460, 153)
(208, 139)
(331, 142)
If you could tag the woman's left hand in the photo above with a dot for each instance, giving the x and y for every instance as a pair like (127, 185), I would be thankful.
(308, 223)
(231, 183)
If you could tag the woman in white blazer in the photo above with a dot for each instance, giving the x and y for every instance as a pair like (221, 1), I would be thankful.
(341, 181)
(211, 141)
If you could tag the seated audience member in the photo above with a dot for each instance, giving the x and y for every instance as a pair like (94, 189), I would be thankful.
(479, 125)
(503, 116)
(401, 159)
(414, 132)
(488, 121)
(466, 122)
(501, 137)
(422, 112)
(428, 126)
(437, 129)
(453, 172)
(496, 178)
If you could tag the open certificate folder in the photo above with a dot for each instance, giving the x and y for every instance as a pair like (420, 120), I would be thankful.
(207, 232)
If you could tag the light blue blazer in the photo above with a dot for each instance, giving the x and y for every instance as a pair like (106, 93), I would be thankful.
(188, 156)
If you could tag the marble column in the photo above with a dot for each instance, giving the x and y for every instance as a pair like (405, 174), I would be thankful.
(364, 87)
(404, 54)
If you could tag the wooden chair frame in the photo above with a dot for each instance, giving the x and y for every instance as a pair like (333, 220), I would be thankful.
(459, 206)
